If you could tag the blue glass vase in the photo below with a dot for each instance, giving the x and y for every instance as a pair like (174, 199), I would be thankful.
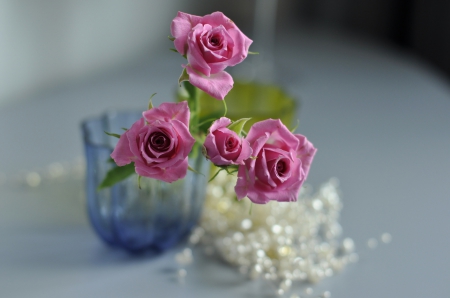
(155, 217)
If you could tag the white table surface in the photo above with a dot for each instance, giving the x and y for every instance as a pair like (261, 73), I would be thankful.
(380, 120)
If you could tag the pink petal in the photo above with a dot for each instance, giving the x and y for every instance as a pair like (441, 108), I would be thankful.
(181, 25)
(258, 197)
(155, 114)
(211, 148)
(261, 170)
(305, 152)
(169, 174)
(185, 136)
(241, 45)
(123, 153)
(217, 85)
(241, 188)
(218, 64)
(195, 55)
(278, 133)
(142, 169)
(168, 111)
(219, 123)
(217, 18)
(258, 143)
(246, 152)
(221, 136)
(175, 172)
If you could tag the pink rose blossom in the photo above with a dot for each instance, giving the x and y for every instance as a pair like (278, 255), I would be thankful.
(223, 146)
(158, 143)
(281, 165)
(211, 43)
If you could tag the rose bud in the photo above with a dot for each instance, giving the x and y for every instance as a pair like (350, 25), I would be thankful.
(223, 146)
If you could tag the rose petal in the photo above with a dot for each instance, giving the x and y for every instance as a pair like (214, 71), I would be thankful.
(212, 153)
(241, 45)
(218, 62)
(195, 54)
(170, 174)
(123, 153)
(241, 187)
(246, 152)
(217, 85)
(216, 19)
(142, 169)
(258, 196)
(175, 172)
(219, 123)
(185, 136)
(181, 25)
(280, 136)
(262, 171)
(305, 152)
(168, 111)
(230, 146)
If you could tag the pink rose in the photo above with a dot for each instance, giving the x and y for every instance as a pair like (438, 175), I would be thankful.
(281, 165)
(158, 143)
(223, 146)
(211, 43)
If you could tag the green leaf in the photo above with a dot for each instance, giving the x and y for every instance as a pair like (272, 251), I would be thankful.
(171, 38)
(113, 134)
(253, 53)
(150, 103)
(238, 125)
(173, 50)
(117, 174)
(184, 77)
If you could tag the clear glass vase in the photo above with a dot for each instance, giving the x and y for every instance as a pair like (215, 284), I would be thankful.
(155, 217)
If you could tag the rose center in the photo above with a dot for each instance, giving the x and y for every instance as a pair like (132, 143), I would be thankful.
(159, 141)
(231, 143)
(215, 40)
(281, 167)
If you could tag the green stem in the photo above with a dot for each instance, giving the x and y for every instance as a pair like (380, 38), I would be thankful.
(194, 107)
(215, 175)
(206, 121)
(225, 107)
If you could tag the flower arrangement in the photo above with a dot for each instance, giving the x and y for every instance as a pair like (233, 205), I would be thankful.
(271, 162)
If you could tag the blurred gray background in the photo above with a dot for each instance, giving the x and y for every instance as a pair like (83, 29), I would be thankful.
(48, 43)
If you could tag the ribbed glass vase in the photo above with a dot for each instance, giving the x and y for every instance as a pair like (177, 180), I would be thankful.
(155, 217)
